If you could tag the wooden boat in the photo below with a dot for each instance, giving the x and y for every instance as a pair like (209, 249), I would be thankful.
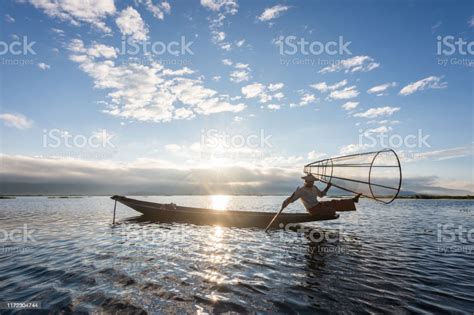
(242, 219)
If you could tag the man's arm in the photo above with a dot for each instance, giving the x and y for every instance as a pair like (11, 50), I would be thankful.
(292, 198)
(325, 191)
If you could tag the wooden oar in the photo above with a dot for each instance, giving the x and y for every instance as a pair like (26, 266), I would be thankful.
(276, 215)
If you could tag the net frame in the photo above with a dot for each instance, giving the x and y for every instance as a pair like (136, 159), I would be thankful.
(324, 170)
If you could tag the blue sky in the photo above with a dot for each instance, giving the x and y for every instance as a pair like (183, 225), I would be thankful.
(233, 81)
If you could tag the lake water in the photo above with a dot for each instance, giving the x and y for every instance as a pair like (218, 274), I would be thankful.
(409, 256)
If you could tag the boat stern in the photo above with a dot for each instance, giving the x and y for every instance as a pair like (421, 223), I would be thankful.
(117, 197)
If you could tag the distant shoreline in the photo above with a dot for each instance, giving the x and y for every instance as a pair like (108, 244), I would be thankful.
(435, 197)
(420, 196)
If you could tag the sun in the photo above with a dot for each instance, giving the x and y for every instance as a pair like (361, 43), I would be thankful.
(219, 202)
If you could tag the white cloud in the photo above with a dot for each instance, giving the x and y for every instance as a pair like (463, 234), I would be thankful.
(273, 12)
(293, 162)
(381, 129)
(383, 122)
(306, 99)
(263, 92)
(445, 154)
(216, 78)
(377, 112)
(218, 36)
(241, 66)
(131, 24)
(221, 8)
(43, 66)
(353, 148)
(275, 87)
(179, 72)
(158, 10)
(313, 155)
(380, 90)
(324, 87)
(94, 51)
(354, 64)
(253, 90)
(238, 76)
(278, 95)
(471, 22)
(183, 113)
(17, 121)
(347, 93)
(228, 6)
(9, 18)
(241, 72)
(227, 62)
(147, 92)
(240, 43)
(431, 82)
(350, 105)
(77, 11)
(166, 6)
(273, 106)
(264, 97)
(58, 31)
(226, 46)
(436, 26)
(146, 175)
(100, 50)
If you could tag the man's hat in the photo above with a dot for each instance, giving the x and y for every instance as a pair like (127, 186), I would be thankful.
(310, 178)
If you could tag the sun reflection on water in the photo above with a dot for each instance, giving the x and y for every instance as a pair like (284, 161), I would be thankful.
(216, 250)
(216, 257)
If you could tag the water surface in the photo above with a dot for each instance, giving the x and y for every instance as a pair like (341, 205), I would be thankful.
(402, 257)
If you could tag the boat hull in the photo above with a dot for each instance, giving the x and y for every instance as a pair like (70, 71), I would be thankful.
(166, 213)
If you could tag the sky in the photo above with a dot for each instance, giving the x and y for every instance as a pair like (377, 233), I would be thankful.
(231, 96)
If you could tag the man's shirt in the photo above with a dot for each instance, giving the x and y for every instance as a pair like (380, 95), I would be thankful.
(308, 195)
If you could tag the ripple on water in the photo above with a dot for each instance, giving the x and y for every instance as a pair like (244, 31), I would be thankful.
(380, 259)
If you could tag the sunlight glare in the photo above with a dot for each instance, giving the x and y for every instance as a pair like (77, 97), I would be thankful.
(219, 202)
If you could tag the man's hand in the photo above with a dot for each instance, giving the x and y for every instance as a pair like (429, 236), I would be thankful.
(289, 199)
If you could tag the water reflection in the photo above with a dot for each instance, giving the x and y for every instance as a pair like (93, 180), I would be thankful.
(216, 256)
(218, 232)
(365, 262)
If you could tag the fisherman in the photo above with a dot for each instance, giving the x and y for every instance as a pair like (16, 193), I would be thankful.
(309, 197)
